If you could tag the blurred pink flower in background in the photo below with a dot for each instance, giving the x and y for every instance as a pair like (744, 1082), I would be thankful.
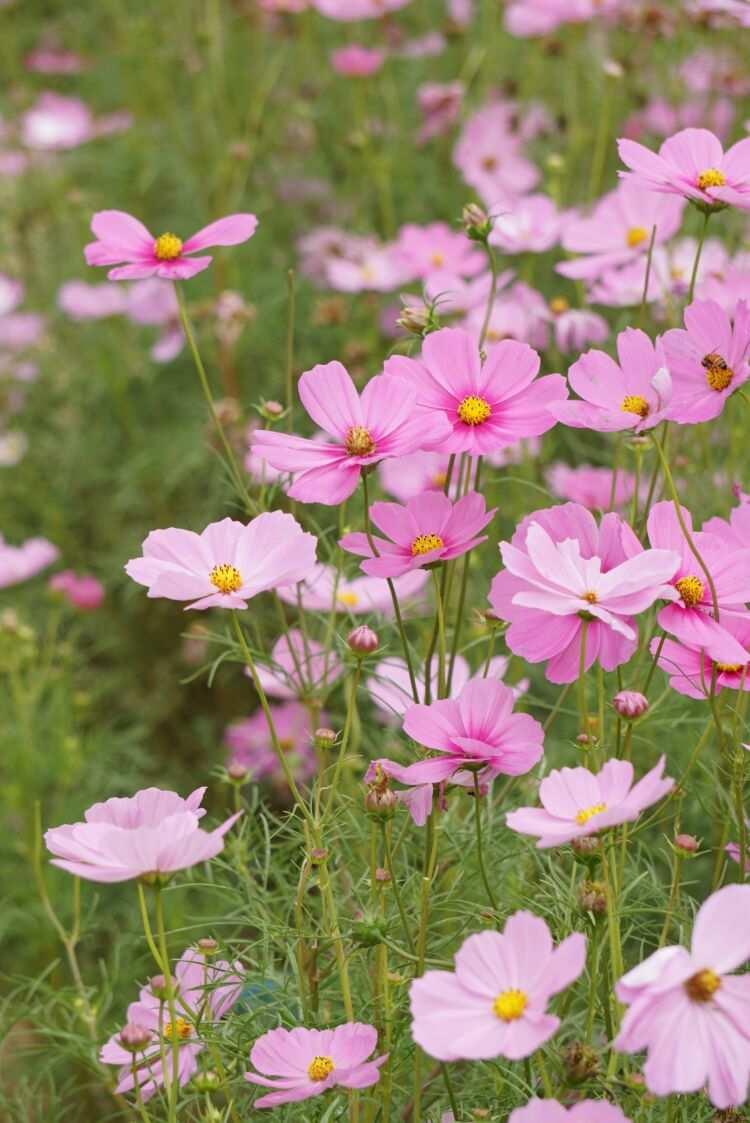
(440, 104)
(389, 685)
(249, 744)
(575, 328)
(82, 301)
(435, 248)
(692, 164)
(591, 487)
(490, 156)
(356, 61)
(55, 122)
(82, 591)
(19, 563)
(299, 666)
(407, 476)
(326, 591)
(153, 303)
(47, 58)
(350, 10)
(531, 225)
(11, 294)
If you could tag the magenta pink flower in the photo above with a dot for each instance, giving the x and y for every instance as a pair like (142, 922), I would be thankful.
(576, 802)
(300, 1063)
(82, 591)
(544, 598)
(250, 745)
(299, 667)
(227, 563)
(585, 1111)
(591, 487)
(351, 10)
(689, 1012)
(708, 361)
(693, 164)
(478, 727)
(633, 395)
(207, 989)
(487, 407)
(689, 616)
(436, 248)
(356, 61)
(691, 669)
(325, 591)
(495, 1003)
(429, 529)
(19, 563)
(384, 420)
(153, 833)
(123, 239)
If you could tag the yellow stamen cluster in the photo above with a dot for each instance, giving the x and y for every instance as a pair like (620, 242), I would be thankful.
(510, 1005)
(178, 1030)
(636, 236)
(424, 543)
(474, 410)
(587, 813)
(437, 259)
(691, 589)
(349, 600)
(558, 305)
(634, 403)
(359, 441)
(439, 479)
(226, 578)
(702, 986)
(167, 247)
(319, 1068)
(730, 668)
(711, 177)
(591, 597)
(718, 374)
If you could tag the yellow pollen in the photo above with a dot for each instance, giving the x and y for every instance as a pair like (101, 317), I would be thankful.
(702, 986)
(439, 479)
(718, 374)
(348, 599)
(510, 1005)
(587, 813)
(423, 543)
(592, 598)
(359, 442)
(437, 260)
(226, 578)
(636, 236)
(319, 1068)
(711, 177)
(558, 305)
(178, 1030)
(474, 410)
(730, 668)
(634, 403)
(167, 247)
(691, 589)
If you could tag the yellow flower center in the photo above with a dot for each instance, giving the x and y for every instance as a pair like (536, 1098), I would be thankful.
(691, 589)
(179, 1030)
(718, 374)
(474, 410)
(558, 305)
(359, 442)
(730, 668)
(348, 599)
(423, 543)
(437, 260)
(591, 597)
(510, 1005)
(711, 177)
(167, 247)
(320, 1067)
(226, 578)
(587, 813)
(636, 236)
(702, 986)
(439, 479)
(634, 403)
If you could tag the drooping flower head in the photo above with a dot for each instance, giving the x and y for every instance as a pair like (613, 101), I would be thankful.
(693, 164)
(495, 1003)
(708, 360)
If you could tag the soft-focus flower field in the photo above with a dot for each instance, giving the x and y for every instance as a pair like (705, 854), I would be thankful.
(374, 561)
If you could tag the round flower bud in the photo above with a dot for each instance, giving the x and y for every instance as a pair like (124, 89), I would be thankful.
(324, 739)
(686, 843)
(592, 896)
(207, 946)
(382, 875)
(586, 847)
(158, 986)
(272, 410)
(580, 1062)
(237, 773)
(629, 704)
(414, 318)
(363, 641)
(318, 856)
(134, 1038)
(476, 222)
(206, 1081)
(380, 801)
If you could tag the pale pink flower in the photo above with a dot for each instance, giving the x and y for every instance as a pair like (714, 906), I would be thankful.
(435, 248)
(440, 104)
(249, 744)
(585, 1111)
(487, 406)
(19, 563)
(374, 268)
(82, 301)
(20, 330)
(49, 59)
(495, 1003)
(153, 833)
(55, 122)
(708, 361)
(460, 12)
(531, 225)
(299, 667)
(577, 803)
(356, 61)
(389, 686)
(82, 591)
(153, 302)
(693, 164)
(490, 157)
(454, 294)
(575, 328)
(11, 294)
(350, 10)
(687, 1010)
(736, 531)
(404, 477)
(227, 564)
(591, 487)
(324, 591)
(300, 1063)
(530, 18)
(632, 395)
(123, 239)
(384, 420)
(725, 12)
(520, 313)
(691, 670)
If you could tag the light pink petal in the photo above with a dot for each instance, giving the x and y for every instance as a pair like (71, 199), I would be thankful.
(229, 231)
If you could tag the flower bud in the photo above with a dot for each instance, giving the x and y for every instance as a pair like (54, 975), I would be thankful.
(271, 410)
(592, 896)
(318, 856)
(324, 739)
(363, 641)
(380, 801)
(686, 843)
(382, 876)
(134, 1038)
(237, 773)
(580, 1062)
(158, 986)
(415, 318)
(369, 931)
(207, 946)
(476, 222)
(630, 705)
(206, 1081)
(586, 847)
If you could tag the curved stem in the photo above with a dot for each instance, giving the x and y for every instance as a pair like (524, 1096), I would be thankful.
(394, 883)
(174, 1081)
(699, 251)
(480, 853)
(491, 295)
(441, 635)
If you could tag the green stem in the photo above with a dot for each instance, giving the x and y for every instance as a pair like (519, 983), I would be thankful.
(174, 1082)
(480, 853)
(674, 893)
(492, 293)
(449, 1089)
(350, 710)
(582, 708)
(699, 251)
(394, 883)
(289, 372)
(441, 635)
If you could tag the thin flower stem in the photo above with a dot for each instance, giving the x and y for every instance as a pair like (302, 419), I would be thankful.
(674, 894)
(441, 635)
(480, 853)
(147, 928)
(649, 260)
(582, 709)
(348, 722)
(654, 663)
(492, 293)
(615, 472)
(613, 931)
(464, 584)
(289, 371)
(394, 883)
(449, 1089)
(557, 706)
(699, 251)
(174, 1082)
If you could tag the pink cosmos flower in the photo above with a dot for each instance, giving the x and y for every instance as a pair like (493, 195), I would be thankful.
(478, 727)
(691, 669)
(249, 744)
(356, 61)
(551, 1111)
(227, 563)
(559, 565)
(575, 328)
(591, 487)
(429, 529)
(11, 294)
(57, 123)
(520, 313)
(368, 267)
(735, 532)
(389, 686)
(632, 395)
(82, 591)
(19, 563)
(300, 1063)
(122, 238)
(531, 225)
(382, 421)
(440, 104)
(708, 361)
(207, 989)
(487, 407)
(405, 477)
(152, 833)
(619, 230)
(323, 592)
(351, 10)
(530, 18)
(689, 1012)
(490, 157)
(81, 301)
(435, 248)
(495, 1003)
(693, 164)
(299, 667)
(577, 803)
(689, 615)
